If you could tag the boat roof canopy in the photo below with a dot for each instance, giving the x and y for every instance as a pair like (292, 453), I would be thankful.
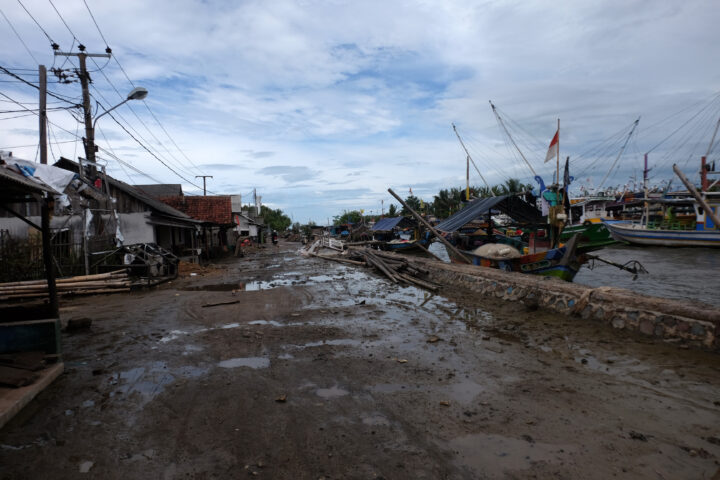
(511, 205)
(388, 223)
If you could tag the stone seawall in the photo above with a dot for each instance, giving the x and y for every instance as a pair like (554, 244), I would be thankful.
(689, 322)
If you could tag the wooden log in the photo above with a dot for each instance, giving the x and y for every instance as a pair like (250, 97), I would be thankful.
(101, 276)
(379, 265)
(418, 282)
(341, 260)
(434, 232)
(68, 292)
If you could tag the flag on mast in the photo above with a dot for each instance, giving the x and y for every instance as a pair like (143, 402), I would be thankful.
(553, 150)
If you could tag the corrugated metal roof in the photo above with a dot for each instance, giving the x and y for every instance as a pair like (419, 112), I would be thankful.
(136, 193)
(17, 182)
(162, 190)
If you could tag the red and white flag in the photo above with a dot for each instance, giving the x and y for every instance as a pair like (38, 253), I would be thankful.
(553, 150)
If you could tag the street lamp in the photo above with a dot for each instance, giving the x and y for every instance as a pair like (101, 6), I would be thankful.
(137, 93)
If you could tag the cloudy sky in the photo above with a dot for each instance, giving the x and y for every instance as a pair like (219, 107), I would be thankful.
(322, 105)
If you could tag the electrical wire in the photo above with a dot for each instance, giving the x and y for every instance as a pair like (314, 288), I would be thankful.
(19, 37)
(36, 22)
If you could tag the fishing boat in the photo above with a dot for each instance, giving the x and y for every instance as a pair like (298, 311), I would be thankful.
(398, 234)
(688, 222)
(563, 262)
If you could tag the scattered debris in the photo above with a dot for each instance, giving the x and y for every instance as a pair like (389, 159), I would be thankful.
(221, 303)
(444, 403)
(638, 436)
(433, 339)
(281, 398)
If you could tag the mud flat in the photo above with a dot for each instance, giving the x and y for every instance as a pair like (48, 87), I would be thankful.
(280, 366)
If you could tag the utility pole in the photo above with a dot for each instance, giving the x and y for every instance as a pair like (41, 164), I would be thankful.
(45, 207)
(204, 186)
(85, 84)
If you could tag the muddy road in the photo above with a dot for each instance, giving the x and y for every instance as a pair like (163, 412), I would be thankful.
(312, 369)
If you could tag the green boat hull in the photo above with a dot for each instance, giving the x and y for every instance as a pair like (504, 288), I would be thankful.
(592, 237)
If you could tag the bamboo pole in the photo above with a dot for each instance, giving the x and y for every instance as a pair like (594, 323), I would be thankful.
(424, 222)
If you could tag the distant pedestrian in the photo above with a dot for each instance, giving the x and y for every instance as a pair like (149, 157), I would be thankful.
(274, 238)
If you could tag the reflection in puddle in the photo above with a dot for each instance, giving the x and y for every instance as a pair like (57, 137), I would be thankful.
(151, 380)
(495, 455)
(331, 392)
(338, 341)
(267, 322)
(230, 325)
(251, 362)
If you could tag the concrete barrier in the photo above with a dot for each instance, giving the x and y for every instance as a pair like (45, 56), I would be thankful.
(694, 323)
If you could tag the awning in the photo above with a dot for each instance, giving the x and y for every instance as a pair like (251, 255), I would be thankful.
(511, 205)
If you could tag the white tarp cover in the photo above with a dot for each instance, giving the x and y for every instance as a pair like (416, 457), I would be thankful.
(54, 177)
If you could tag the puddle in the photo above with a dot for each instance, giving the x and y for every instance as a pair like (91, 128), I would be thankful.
(465, 392)
(230, 325)
(331, 392)
(173, 335)
(338, 341)
(267, 322)
(218, 287)
(251, 362)
(147, 382)
(494, 456)
(285, 356)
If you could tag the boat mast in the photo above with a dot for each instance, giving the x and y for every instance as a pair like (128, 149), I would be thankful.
(502, 124)
(622, 149)
(467, 170)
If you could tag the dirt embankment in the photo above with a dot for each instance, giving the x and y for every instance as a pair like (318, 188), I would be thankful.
(278, 366)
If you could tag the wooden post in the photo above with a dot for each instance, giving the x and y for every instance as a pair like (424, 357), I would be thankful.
(45, 207)
(435, 232)
(698, 197)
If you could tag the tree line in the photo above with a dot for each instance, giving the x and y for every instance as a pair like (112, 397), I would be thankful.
(445, 203)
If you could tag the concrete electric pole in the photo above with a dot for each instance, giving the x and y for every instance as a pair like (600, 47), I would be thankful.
(84, 77)
(204, 186)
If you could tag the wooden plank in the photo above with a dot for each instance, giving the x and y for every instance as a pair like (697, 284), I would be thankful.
(16, 377)
(12, 400)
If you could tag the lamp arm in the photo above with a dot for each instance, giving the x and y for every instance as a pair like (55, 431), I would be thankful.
(108, 111)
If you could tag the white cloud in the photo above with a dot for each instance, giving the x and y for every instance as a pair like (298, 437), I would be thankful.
(340, 100)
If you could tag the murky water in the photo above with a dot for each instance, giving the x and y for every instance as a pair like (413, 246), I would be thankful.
(681, 273)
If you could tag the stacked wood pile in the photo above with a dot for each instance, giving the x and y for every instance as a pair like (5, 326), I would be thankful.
(111, 282)
(397, 268)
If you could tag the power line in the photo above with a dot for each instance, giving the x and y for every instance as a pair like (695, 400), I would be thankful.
(151, 153)
(19, 37)
(144, 102)
(64, 22)
(8, 72)
(36, 22)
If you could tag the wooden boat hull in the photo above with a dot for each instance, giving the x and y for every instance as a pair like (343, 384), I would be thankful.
(640, 235)
(402, 246)
(592, 237)
(562, 263)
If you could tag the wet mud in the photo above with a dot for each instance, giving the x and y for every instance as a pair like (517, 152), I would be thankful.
(320, 370)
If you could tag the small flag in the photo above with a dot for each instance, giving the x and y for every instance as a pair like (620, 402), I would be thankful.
(553, 150)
